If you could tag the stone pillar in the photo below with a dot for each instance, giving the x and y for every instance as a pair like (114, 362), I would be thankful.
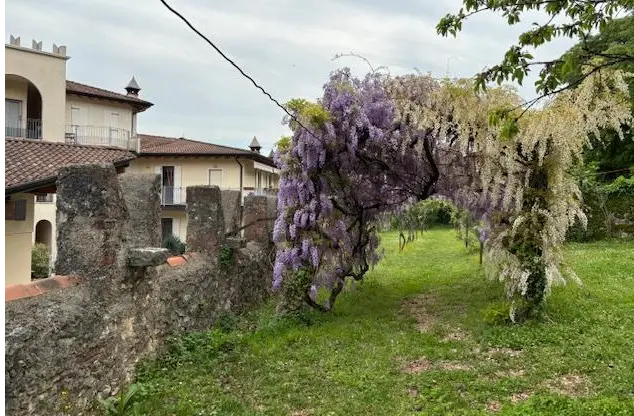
(205, 219)
(91, 216)
(141, 193)
(231, 209)
(255, 211)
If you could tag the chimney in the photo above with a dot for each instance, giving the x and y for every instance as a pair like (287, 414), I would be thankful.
(255, 145)
(133, 88)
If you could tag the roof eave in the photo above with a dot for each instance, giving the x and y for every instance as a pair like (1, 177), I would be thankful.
(255, 156)
(51, 180)
(140, 106)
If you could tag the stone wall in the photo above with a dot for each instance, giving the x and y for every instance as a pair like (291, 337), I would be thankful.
(205, 219)
(71, 344)
(232, 209)
(259, 212)
(141, 194)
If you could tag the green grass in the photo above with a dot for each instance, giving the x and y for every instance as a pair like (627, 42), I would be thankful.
(370, 357)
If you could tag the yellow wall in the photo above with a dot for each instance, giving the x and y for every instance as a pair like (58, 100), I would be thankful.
(85, 111)
(17, 248)
(48, 73)
(46, 211)
(16, 89)
(179, 221)
(193, 170)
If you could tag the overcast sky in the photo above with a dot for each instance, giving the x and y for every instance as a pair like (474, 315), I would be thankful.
(286, 45)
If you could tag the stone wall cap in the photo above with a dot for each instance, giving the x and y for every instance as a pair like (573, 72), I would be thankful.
(38, 287)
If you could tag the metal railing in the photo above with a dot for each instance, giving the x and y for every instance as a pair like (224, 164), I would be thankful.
(45, 198)
(101, 136)
(32, 129)
(171, 195)
(264, 192)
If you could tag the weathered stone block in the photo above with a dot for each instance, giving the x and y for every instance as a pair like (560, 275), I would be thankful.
(255, 216)
(147, 256)
(91, 215)
(231, 209)
(142, 196)
(205, 219)
(236, 242)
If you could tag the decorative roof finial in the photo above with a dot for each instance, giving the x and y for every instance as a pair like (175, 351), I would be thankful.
(255, 145)
(133, 88)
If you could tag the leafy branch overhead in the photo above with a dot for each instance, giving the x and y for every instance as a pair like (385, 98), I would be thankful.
(563, 18)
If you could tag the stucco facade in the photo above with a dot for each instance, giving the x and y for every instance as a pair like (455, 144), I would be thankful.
(17, 244)
(203, 170)
(46, 72)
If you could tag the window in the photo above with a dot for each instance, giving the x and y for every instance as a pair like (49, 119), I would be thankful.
(167, 182)
(167, 225)
(15, 210)
(13, 118)
(216, 177)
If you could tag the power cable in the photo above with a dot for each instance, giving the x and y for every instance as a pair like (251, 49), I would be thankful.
(184, 19)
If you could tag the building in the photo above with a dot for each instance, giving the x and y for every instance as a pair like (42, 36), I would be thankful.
(42, 105)
(185, 162)
(31, 168)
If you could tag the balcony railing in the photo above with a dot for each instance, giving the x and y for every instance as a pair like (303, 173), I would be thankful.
(101, 136)
(264, 192)
(171, 195)
(32, 129)
(45, 198)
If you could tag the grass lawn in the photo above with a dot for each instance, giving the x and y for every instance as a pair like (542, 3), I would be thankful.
(421, 335)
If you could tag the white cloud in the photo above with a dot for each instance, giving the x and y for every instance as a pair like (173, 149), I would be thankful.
(286, 45)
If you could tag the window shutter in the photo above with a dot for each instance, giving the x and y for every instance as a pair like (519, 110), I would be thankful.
(179, 193)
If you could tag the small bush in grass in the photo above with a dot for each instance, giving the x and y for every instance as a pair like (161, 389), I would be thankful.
(174, 245)
(40, 261)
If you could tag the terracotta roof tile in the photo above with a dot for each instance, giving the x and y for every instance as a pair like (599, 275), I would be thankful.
(163, 146)
(83, 89)
(31, 161)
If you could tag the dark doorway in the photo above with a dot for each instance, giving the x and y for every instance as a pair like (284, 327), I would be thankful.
(166, 227)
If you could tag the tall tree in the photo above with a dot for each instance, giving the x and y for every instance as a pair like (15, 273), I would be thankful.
(615, 157)
(562, 18)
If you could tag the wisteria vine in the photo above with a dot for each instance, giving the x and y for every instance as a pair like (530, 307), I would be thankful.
(379, 142)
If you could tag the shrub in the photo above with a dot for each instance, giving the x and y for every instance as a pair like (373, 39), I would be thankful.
(174, 245)
(609, 207)
(40, 261)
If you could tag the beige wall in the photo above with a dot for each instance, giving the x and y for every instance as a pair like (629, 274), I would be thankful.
(48, 73)
(179, 222)
(17, 245)
(16, 89)
(46, 211)
(85, 111)
(192, 171)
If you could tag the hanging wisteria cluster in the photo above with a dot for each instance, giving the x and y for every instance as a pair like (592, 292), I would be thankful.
(374, 144)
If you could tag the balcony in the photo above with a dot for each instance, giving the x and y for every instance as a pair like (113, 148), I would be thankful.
(101, 136)
(44, 198)
(32, 129)
(264, 192)
(171, 195)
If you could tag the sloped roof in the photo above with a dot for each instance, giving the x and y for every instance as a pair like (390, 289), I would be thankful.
(73, 87)
(30, 164)
(174, 146)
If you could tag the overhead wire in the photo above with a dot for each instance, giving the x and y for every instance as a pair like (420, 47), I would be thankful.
(206, 39)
